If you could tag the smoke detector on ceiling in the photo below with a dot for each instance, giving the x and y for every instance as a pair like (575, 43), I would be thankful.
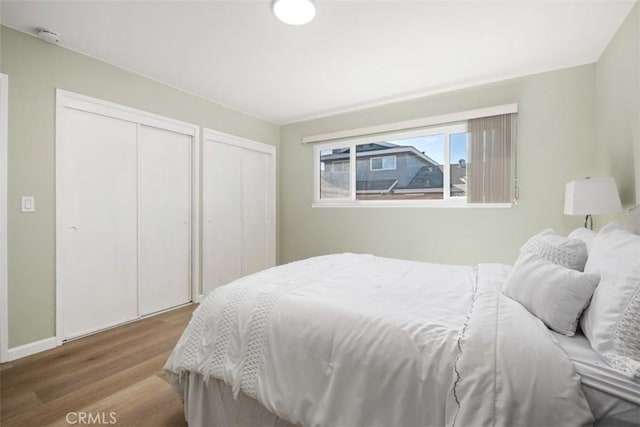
(48, 36)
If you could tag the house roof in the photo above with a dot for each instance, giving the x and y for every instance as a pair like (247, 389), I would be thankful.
(377, 149)
(427, 177)
(382, 185)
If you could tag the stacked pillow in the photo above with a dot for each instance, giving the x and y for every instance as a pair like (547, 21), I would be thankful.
(612, 321)
(566, 251)
(583, 234)
(548, 280)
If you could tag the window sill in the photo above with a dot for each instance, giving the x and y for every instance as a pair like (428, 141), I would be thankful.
(409, 204)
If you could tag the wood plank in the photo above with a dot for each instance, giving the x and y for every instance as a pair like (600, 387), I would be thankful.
(116, 366)
(91, 393)
(149, 402)
(75, 355)
(92, 370)
(181, 314)
(18, 403)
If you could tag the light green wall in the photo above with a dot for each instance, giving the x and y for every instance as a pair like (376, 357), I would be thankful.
(582, 121)
(556, 143)
(35, 70)
(618, 110)
(572, 123)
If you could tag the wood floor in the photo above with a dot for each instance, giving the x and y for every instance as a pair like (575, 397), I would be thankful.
(111, 376)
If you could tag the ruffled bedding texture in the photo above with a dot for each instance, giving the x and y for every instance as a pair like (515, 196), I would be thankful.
(359, 340)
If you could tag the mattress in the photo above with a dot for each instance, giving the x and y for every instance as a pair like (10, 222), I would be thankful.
(613, 397)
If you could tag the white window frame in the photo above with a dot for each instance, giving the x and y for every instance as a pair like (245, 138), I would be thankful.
(351, 201)
(382, 168)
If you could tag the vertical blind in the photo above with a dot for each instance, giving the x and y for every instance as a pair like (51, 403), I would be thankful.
(489, 170)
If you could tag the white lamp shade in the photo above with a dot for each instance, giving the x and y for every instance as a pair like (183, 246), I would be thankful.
(592, 196)
(294, 12)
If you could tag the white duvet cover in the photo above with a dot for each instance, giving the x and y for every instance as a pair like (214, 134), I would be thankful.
(357, 340)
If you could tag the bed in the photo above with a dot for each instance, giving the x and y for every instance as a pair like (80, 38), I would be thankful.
(614, 398)
(359, 340)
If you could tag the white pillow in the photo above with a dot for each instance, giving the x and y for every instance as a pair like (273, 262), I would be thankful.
(555, 294)
(612, 321)
(583, 234)
(570, 253)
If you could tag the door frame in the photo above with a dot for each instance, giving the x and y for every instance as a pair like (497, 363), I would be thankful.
(214, 136)
(71, 100)
(4, 177)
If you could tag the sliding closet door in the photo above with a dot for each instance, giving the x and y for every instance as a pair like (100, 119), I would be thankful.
(257, 193)
(126, 219)
(239, 198)
(97, 218)
(164, 160)
(223, 214)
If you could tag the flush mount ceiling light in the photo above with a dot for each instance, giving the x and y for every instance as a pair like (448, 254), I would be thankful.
(294, 12)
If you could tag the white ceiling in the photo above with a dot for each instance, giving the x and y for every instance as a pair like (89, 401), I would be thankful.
(354, 54)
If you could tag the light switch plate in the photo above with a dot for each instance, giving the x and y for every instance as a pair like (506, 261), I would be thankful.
(28, 204)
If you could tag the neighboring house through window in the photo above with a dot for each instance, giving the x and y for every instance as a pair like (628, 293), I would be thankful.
(403, 166)
(461, 163)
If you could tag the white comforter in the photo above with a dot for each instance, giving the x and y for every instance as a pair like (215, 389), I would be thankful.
(358, 340)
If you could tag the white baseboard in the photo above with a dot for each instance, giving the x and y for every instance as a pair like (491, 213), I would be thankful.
(31, 348)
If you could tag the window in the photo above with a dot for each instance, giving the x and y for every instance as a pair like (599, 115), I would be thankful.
(341, 166)
(413, 169)
(382, 163)
(458, 146)
(457, 164)
(334, 182)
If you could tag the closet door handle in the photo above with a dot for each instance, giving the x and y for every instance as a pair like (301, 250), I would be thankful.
(73, 228)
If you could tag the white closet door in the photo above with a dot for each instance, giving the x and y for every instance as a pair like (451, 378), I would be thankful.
(257, 191)
(97, 222)
(164, 217)
(222, 214)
